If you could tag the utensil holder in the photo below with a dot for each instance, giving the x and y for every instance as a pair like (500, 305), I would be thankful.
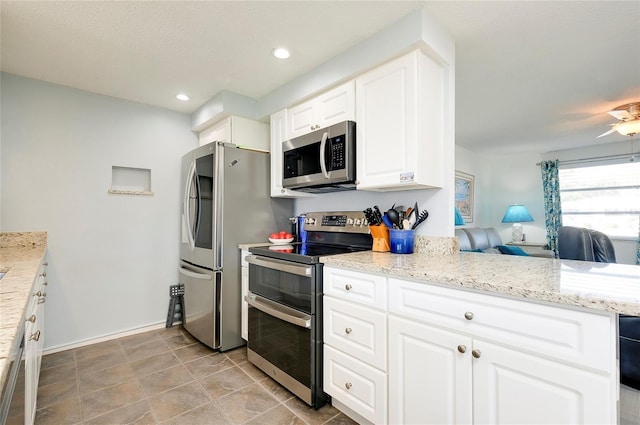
(380, 236)
(401, 241)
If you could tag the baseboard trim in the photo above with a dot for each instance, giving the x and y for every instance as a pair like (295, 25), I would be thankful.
(109, 337)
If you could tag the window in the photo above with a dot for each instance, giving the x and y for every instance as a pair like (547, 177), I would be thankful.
(602, 197)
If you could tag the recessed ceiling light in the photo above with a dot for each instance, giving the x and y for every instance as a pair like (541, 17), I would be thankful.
(280, 53)
(182, 97)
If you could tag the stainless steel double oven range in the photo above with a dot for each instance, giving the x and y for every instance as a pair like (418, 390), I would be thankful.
(285, 301)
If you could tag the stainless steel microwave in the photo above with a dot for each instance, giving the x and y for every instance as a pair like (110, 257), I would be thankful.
(321, 161)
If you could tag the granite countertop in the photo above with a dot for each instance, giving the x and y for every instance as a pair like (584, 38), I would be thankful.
(598, 286)
(21, 254)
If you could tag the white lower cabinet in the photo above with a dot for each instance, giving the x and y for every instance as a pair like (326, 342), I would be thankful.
(404, 352)
(430, 381)
(438, 376)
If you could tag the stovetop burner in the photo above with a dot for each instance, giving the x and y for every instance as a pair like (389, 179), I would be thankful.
(328, 233)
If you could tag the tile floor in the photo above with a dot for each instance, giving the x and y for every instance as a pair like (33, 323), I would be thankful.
(165, 377)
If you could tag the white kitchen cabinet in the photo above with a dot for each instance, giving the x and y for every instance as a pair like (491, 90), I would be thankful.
(237, 130)
(401, 121)
(331, 107)
(278, 135)
(459, 357)
(355, 343)
(456, 356)
(34, 341)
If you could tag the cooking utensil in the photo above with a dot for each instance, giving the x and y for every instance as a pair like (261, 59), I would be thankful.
(422, 217)
(386, 221)
(394, 216)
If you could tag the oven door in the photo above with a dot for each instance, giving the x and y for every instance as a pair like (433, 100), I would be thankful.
(280, 343)
(287, 283)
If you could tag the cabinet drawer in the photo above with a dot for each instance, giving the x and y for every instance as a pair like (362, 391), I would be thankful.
(366, 289)
(561, 333)
(359, 331)
(358, 386)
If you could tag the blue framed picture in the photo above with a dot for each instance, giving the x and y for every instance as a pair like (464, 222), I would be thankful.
(464, 195)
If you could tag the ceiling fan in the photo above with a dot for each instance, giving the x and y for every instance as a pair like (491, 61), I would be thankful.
(629, 120)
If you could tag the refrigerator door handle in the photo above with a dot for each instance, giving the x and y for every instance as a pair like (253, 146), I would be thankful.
(187, 210)
(194, 274)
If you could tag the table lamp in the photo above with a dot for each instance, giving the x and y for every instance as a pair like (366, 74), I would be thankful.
(516, 214)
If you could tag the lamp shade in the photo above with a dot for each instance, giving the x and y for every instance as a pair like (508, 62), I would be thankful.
(517, 214)
(629, 128)
(459, 221)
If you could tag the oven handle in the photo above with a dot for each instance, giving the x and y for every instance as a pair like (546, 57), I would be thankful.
(283, 266)
(278, 310)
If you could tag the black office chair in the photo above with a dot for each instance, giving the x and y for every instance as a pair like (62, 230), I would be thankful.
(576, 243)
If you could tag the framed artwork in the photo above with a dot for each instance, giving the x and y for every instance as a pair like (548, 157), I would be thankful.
(464, 195)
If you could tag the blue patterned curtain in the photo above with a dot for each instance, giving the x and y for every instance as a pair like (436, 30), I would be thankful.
(552, 211)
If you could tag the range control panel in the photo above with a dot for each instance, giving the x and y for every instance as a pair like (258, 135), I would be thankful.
(336, 221)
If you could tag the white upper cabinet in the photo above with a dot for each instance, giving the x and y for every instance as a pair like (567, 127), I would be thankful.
(329, 108)
(240, 131)
(400, 116)
(278, 135)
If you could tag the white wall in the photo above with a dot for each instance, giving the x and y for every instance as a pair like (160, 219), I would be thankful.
(111, 257)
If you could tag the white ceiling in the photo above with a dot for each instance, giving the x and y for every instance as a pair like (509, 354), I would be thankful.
(531, 76)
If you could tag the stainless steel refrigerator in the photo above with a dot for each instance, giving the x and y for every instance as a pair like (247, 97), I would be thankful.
(225, 202)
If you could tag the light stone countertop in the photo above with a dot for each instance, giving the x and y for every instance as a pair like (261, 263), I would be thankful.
(21, 255)
(598, 286)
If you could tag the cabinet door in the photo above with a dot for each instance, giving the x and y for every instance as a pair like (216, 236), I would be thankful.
(332, 107)
(401, 121)
(511, 387)
(278, 135)
(357, 385)
(386, 133)
(336, 105)
(429, 374)
(357, 330)
(220, 132)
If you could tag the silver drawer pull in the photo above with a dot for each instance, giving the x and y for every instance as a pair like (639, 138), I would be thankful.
(35, 336)
(468, 315)
(32, 318)
(43, 274)
(348, 330)
(476, 354)
(462, 348)
(42, 300)
(348, 287)
(348, 385)
(45, 283)
(37, 294)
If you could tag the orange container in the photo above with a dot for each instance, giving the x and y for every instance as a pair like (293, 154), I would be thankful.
(380, 236)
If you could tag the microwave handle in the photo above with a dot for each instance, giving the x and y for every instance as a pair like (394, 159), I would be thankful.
(323, 147)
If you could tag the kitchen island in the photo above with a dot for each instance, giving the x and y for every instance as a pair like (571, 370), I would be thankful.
(474, 337)
(21, 260)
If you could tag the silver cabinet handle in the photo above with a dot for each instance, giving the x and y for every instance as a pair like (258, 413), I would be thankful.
(476, 354)
(46, 263)
(348, 385)
(468, 315)
(462, 348)
(32, 318)
(348, 330)
(34, 336)
(43, 274)
(348, 287)
(45, 283)
(39, 294)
